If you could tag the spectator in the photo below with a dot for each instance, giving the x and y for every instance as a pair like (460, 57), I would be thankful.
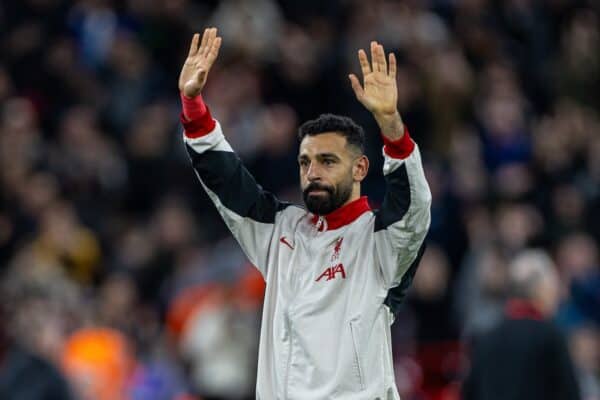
(24, 373)
(525, 356)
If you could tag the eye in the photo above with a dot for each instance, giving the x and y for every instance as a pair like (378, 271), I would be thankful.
(303, 163)
(328, 162)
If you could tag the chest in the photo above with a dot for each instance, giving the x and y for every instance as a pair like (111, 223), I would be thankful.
(317, 264)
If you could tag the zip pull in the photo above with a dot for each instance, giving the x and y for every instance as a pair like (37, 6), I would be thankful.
(321, 224)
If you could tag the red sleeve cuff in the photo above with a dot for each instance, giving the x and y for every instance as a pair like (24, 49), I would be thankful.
(401, 148)
(193, 107)
(195, 117)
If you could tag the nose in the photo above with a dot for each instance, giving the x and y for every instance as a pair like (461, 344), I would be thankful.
(313, 173)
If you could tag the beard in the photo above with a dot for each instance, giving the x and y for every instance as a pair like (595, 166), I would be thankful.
(332, 197)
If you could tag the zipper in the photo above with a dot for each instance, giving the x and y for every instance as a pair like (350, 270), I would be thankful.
(289, 356)
(357, 356)
(387, 322)
(321, 224)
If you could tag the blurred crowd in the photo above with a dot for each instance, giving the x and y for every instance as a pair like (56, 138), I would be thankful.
(120, 278)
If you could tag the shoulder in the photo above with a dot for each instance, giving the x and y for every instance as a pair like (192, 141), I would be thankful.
(290, 212)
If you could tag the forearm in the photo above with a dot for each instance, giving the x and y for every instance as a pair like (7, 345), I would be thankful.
(404, 216)
(391, 125)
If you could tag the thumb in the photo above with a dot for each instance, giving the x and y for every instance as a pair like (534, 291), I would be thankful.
(358, 90)
(193, 87)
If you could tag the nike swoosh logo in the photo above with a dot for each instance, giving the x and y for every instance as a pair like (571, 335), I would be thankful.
(284, 241)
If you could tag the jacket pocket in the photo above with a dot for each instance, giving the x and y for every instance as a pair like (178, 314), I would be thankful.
(355, 348)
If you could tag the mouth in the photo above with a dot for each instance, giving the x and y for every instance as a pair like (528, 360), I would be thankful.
(318, 192)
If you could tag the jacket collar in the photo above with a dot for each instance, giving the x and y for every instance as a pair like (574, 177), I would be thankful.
(522, 309)
(343, 215)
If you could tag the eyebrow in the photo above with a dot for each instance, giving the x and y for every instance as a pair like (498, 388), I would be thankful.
(328, 155)
(320, 156)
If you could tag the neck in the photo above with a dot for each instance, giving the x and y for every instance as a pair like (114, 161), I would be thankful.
(355, 195)
(523, 308)
(343, 215)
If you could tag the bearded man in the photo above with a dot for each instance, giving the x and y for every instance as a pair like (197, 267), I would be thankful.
(337, 270)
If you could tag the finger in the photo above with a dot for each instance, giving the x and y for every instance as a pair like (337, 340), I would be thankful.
(392, 65)
(381, 59)
(209, 43)
(358, 90)
(194, 45)
(214, 51)
(204, 40)
(374, 62)
(364, 62)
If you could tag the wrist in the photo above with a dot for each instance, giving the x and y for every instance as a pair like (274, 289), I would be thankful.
(390, 124)
(400, 148)
(195, 117)
(191, 93)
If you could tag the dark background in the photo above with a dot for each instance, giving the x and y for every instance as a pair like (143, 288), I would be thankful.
(117, 269)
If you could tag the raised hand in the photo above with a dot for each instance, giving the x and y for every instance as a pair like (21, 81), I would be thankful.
(379, 92)
(199, 61)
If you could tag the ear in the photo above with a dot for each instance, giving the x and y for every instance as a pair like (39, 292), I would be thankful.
(360, 168)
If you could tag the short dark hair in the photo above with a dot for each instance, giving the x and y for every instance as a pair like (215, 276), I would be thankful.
(345, 126)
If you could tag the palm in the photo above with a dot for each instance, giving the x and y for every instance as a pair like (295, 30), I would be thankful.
(379, 93)
(199, 61)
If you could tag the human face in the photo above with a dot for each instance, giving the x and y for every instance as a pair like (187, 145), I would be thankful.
(548, 293)
(328, 172)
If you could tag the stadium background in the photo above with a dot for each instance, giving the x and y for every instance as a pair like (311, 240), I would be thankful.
(115, 266)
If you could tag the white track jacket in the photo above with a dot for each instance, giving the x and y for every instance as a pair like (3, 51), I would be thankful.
(333, 281)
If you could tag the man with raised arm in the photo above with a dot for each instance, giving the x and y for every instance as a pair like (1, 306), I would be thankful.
(337, 270)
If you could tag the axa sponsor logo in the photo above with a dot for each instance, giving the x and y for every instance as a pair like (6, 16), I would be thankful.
(330, 273)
